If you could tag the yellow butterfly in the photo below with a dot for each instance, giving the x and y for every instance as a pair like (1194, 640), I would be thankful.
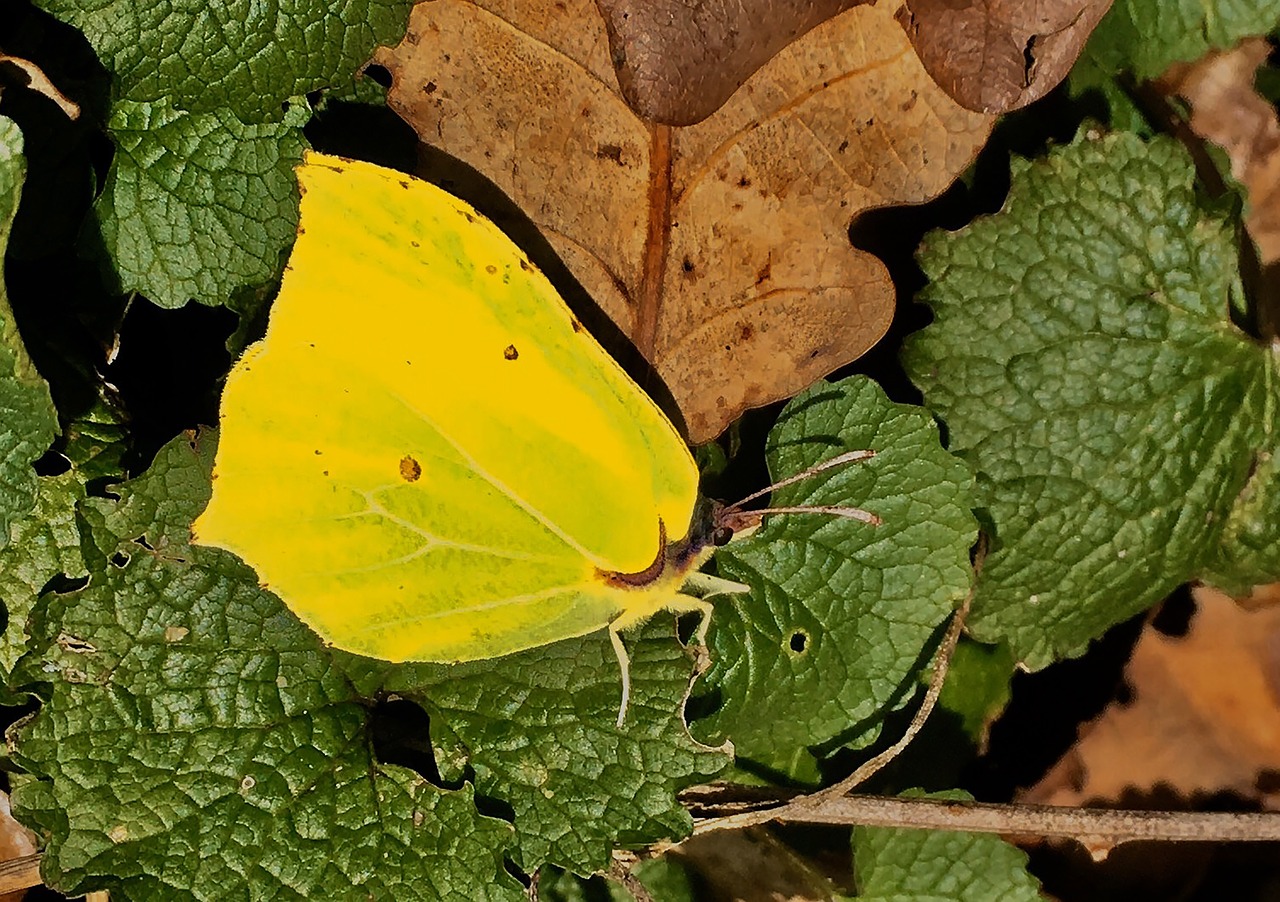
(428, 458)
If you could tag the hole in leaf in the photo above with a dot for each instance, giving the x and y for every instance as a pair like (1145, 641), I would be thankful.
(62, 584)
(52, 463)
(498, 808)
(687, 625)
(514, 870)
(798, 642)
(120, 559)
(401, 734)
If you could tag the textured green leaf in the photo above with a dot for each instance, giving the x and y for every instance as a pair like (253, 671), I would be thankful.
(198, 205)
(841, 614)
(156, 512)
(173, 677)
(28, 421)
(197, 741)
(898, 865)
(1083, 359)
(1145, 37)
(241, 55)
(539, 728)
(41, 546)
(1249, 551)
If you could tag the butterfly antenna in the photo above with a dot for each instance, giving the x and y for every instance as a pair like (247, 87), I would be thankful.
(734, 512)
(849, 513)
(837, 461)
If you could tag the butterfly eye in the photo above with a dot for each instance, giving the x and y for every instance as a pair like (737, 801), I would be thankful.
(721, 536)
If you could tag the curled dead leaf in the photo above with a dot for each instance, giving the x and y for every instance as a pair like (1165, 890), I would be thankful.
(678, 62)
(1204, 717)
(999, 55)
(1227, 110)
(721, 249)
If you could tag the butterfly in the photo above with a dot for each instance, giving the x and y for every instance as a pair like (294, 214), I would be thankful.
(428, 458)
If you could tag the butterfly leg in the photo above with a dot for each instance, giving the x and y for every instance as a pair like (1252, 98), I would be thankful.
(624, 663)
(680, 604)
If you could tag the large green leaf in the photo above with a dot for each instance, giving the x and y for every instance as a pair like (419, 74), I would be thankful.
(242, 55)
(193, 730)
(28, 421)
(841, 614)
(198, 205)
(196, 740)
(1084, 360)
(1145, 37)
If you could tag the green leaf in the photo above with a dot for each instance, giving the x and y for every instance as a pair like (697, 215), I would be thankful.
(977, 686)
(239, 55)
(1248, 553)
(196, 740)
(156, 512)
(28, 421)
(1084, 360)
(1145, 37)
(173, 676)
(43, 545)
(539, 729)
(841, 614)
(198, 205)
(899, 865)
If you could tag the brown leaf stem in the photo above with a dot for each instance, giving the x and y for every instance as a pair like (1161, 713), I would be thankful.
(657, 241)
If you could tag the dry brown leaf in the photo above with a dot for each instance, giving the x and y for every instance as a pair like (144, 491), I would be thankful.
(721, 249)
(999, 55)
(678, 62)
(1204, 716)
(1226, 110)
(16, 841)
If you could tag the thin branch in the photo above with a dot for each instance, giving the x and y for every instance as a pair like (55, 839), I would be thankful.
(1097, 828)
(20, 873)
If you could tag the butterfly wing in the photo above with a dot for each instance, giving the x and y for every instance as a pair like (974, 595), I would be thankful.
(427, 457)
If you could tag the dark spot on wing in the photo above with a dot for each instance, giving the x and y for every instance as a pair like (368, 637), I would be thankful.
(410, 469)
(510, 352)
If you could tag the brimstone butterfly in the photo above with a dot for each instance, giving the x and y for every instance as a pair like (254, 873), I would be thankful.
(427, 457)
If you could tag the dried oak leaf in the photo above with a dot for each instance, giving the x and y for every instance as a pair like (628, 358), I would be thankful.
(1227, 110)
(1204, 716)
(999, 55)
(721, 249)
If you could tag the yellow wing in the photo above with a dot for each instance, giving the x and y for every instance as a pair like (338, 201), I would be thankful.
(427, 457)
